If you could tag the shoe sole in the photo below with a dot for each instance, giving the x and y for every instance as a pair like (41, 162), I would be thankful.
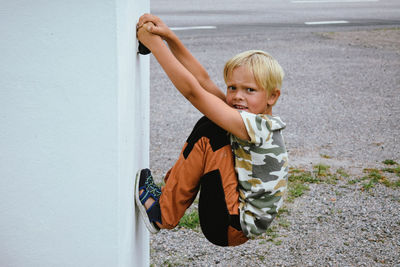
(152, 229)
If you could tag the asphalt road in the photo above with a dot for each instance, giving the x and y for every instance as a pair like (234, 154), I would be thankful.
(341, 94)
(274, 12)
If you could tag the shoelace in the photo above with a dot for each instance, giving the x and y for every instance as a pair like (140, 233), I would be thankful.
(151, 187)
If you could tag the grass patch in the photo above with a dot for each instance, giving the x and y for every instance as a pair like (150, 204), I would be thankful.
(284, 223)
(299, 180)
(271, 234)
(190, 220)
(373, 173)
(367, 186)
(342, 173)
(296, 190)
(281, 211)
(395, 170)
(354, 181)
(321, 169)
(375, 176)
(304, 177)
(331, 179)
(389, 162)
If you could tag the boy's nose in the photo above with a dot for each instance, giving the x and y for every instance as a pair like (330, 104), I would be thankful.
(238, 95)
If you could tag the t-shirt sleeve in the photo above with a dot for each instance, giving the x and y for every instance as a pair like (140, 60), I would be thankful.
(258, 126)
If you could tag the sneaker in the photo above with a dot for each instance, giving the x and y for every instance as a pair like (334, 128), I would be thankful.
(144, 181)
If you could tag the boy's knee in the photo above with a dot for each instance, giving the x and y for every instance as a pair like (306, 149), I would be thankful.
(217, 225)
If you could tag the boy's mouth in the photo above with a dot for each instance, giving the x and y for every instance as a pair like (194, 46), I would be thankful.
(240, 107)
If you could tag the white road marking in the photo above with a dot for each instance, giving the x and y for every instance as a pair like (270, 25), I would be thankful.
(326, 22)
(331, 1)
(193, 28)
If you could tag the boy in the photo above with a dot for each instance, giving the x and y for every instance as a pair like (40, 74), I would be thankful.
(233, 206)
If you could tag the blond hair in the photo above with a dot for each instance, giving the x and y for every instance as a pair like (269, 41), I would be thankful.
(266, 70)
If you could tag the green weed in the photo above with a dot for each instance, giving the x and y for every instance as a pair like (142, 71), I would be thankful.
(395, 170)
(190, 220)
(354, 181)
(321, 169)
(271, 233)
(281, 211)
(369, 185)
(342, 173)
(305, 177)
(167, 263)
(298, 180)
(389, 162)
(331, 179)
(372, 178)
(284, 223)
(296, 190)
(375, 176)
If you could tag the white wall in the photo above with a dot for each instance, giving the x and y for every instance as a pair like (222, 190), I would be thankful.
(74, 128)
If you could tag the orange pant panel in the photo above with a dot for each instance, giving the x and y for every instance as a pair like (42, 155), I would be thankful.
(182, 181)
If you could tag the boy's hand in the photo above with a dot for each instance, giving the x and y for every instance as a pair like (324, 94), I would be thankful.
(157, 26)
(144, 36)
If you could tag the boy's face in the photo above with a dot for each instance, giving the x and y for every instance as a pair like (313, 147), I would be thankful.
(243, 93)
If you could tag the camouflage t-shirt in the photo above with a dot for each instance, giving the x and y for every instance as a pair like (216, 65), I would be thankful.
(262, 168)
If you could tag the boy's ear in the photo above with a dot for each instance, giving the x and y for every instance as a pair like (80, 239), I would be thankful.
(273, 97)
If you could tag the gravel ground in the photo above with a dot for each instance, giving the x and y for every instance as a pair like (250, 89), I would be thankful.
(341, 101)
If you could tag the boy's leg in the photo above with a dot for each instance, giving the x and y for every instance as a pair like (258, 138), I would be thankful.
(164, 210)
(207, 153)
(182, 184)
(200, 155)
(219, 225)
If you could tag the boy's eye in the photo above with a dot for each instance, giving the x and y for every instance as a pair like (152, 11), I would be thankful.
(250, 90)
(231, 88)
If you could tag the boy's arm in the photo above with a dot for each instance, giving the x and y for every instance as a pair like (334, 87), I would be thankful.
(181, 53)
(207, 103)
(193, 65)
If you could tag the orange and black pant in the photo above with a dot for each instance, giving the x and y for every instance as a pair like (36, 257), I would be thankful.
(206, 163)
